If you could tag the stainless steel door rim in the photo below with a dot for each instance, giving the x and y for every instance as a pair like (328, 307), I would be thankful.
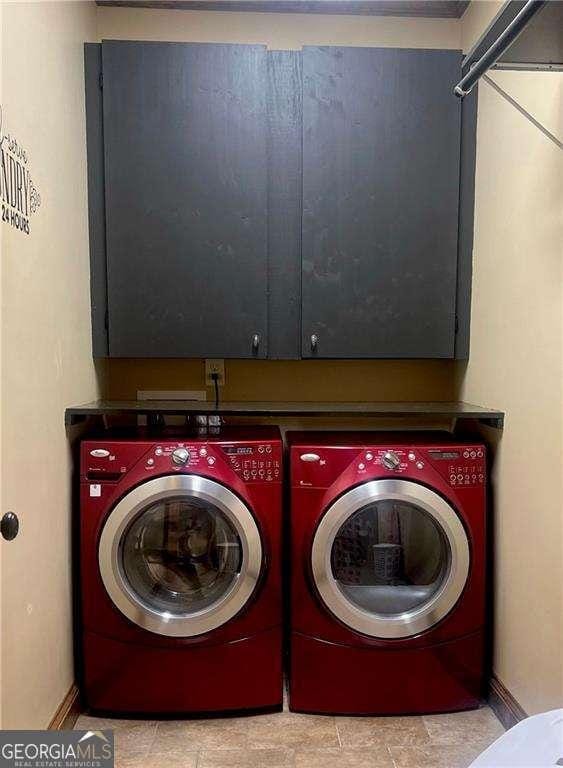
(137, 501)
(410, 622)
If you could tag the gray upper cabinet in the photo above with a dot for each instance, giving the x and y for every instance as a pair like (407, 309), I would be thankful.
(381, 174)
(185, 199)
(280, 204)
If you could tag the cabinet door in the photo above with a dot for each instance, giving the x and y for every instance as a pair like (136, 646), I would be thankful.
(186, 199)
(284, 205)
(381, 144)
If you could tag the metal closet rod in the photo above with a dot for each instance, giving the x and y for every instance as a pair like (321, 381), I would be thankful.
(500, 45)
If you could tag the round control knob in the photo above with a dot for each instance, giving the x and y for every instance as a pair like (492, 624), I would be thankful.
(390, 460)
(180, 456)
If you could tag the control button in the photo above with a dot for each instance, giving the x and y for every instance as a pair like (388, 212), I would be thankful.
(99, 453)
(203, 452)
(158, 452)
(473, 454)
(268, 449)
(369, 456)
(420, 465)
(460, 477)
(150, 462)
(310, 457)
(254, 472)
(412, 456)
(452, 478)
(390, 460)
(180, 456)
(246, 474)
(480, 453)
(361, 467)
(466, 454)
(261, 473)
(211, 461)
(260, 449)
(276, 472)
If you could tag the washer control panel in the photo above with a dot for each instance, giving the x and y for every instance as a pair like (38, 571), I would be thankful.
(255, 462)
(252, 461)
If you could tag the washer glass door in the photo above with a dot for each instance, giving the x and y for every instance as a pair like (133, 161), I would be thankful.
(180, 555)
(390, 558)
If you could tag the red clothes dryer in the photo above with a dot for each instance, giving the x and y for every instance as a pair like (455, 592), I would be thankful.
(388, 573)
(180, 544)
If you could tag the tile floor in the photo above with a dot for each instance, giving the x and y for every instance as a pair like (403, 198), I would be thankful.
(288, 740)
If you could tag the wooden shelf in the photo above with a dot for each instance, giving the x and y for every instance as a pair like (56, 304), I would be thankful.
(154, 408)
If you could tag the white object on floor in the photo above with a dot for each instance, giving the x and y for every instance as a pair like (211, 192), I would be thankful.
(536, 742)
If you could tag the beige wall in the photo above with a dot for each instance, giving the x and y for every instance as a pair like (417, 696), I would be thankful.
(46, 350)
(320, 380)
(280, 30)
(353, 380)
(516, 363)
(475, 21)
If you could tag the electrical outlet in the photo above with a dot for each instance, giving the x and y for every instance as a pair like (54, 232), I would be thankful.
(214, 366)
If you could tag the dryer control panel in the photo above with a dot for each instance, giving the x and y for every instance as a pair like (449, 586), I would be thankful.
(463, 466)
(459, 465)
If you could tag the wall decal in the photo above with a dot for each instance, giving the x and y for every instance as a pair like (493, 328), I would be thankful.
(20, 197)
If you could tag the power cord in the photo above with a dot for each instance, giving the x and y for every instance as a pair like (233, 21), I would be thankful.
(215, 377)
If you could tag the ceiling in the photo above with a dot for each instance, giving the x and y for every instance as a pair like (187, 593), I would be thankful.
(434, 9)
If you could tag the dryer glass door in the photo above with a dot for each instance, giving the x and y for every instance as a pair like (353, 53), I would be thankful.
(180, 555)
(390, 558)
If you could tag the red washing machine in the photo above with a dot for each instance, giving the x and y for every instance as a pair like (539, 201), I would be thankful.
(181, 573)
(388, 581)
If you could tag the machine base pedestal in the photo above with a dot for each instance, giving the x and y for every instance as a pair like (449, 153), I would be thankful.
(336, 679)
(128, 679)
